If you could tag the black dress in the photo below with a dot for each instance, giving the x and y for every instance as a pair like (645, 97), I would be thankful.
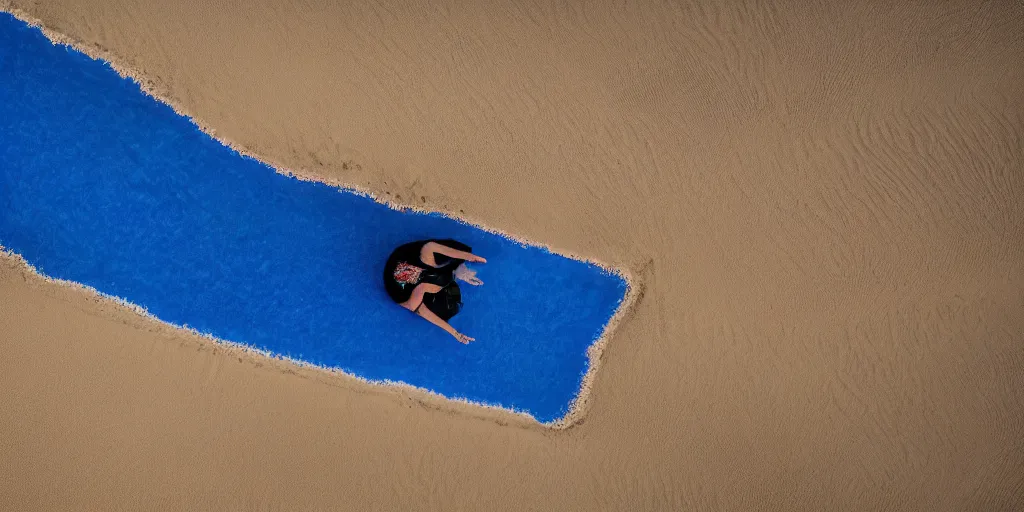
(399, 285)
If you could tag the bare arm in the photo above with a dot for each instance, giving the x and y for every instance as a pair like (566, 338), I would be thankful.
(427, 254)
(436, 320)
(415, 304)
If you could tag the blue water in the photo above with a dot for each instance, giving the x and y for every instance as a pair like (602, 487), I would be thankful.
(105, 186)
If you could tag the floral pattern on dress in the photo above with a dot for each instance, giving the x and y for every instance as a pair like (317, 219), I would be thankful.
(407, 274)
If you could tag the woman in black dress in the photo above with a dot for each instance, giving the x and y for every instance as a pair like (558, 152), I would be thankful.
(420, 276)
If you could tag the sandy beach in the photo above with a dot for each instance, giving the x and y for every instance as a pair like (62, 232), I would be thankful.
(819, 202)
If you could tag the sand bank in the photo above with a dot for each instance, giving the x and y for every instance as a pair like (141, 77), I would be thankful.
(821, 201)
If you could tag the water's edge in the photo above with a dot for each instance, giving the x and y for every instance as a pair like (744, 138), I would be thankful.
(578, 406)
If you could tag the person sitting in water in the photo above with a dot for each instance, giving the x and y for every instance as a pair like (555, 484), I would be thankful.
(420, 276)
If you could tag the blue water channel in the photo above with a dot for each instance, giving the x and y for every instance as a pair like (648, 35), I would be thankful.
(105, 186)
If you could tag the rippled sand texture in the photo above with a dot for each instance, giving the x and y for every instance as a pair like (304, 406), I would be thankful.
(822, 202)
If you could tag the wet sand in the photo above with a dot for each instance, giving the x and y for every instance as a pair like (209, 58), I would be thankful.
(821, 204)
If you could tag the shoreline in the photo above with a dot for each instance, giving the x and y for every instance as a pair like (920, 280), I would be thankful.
(816, 205)
(577, 407)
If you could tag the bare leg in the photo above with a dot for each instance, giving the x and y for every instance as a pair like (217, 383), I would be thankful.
(427, 254)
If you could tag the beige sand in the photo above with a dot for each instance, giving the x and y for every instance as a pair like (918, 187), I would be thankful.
(822, 202)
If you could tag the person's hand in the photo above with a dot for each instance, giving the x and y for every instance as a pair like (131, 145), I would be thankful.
(477, 259)
(468, 275)
(462, 338)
